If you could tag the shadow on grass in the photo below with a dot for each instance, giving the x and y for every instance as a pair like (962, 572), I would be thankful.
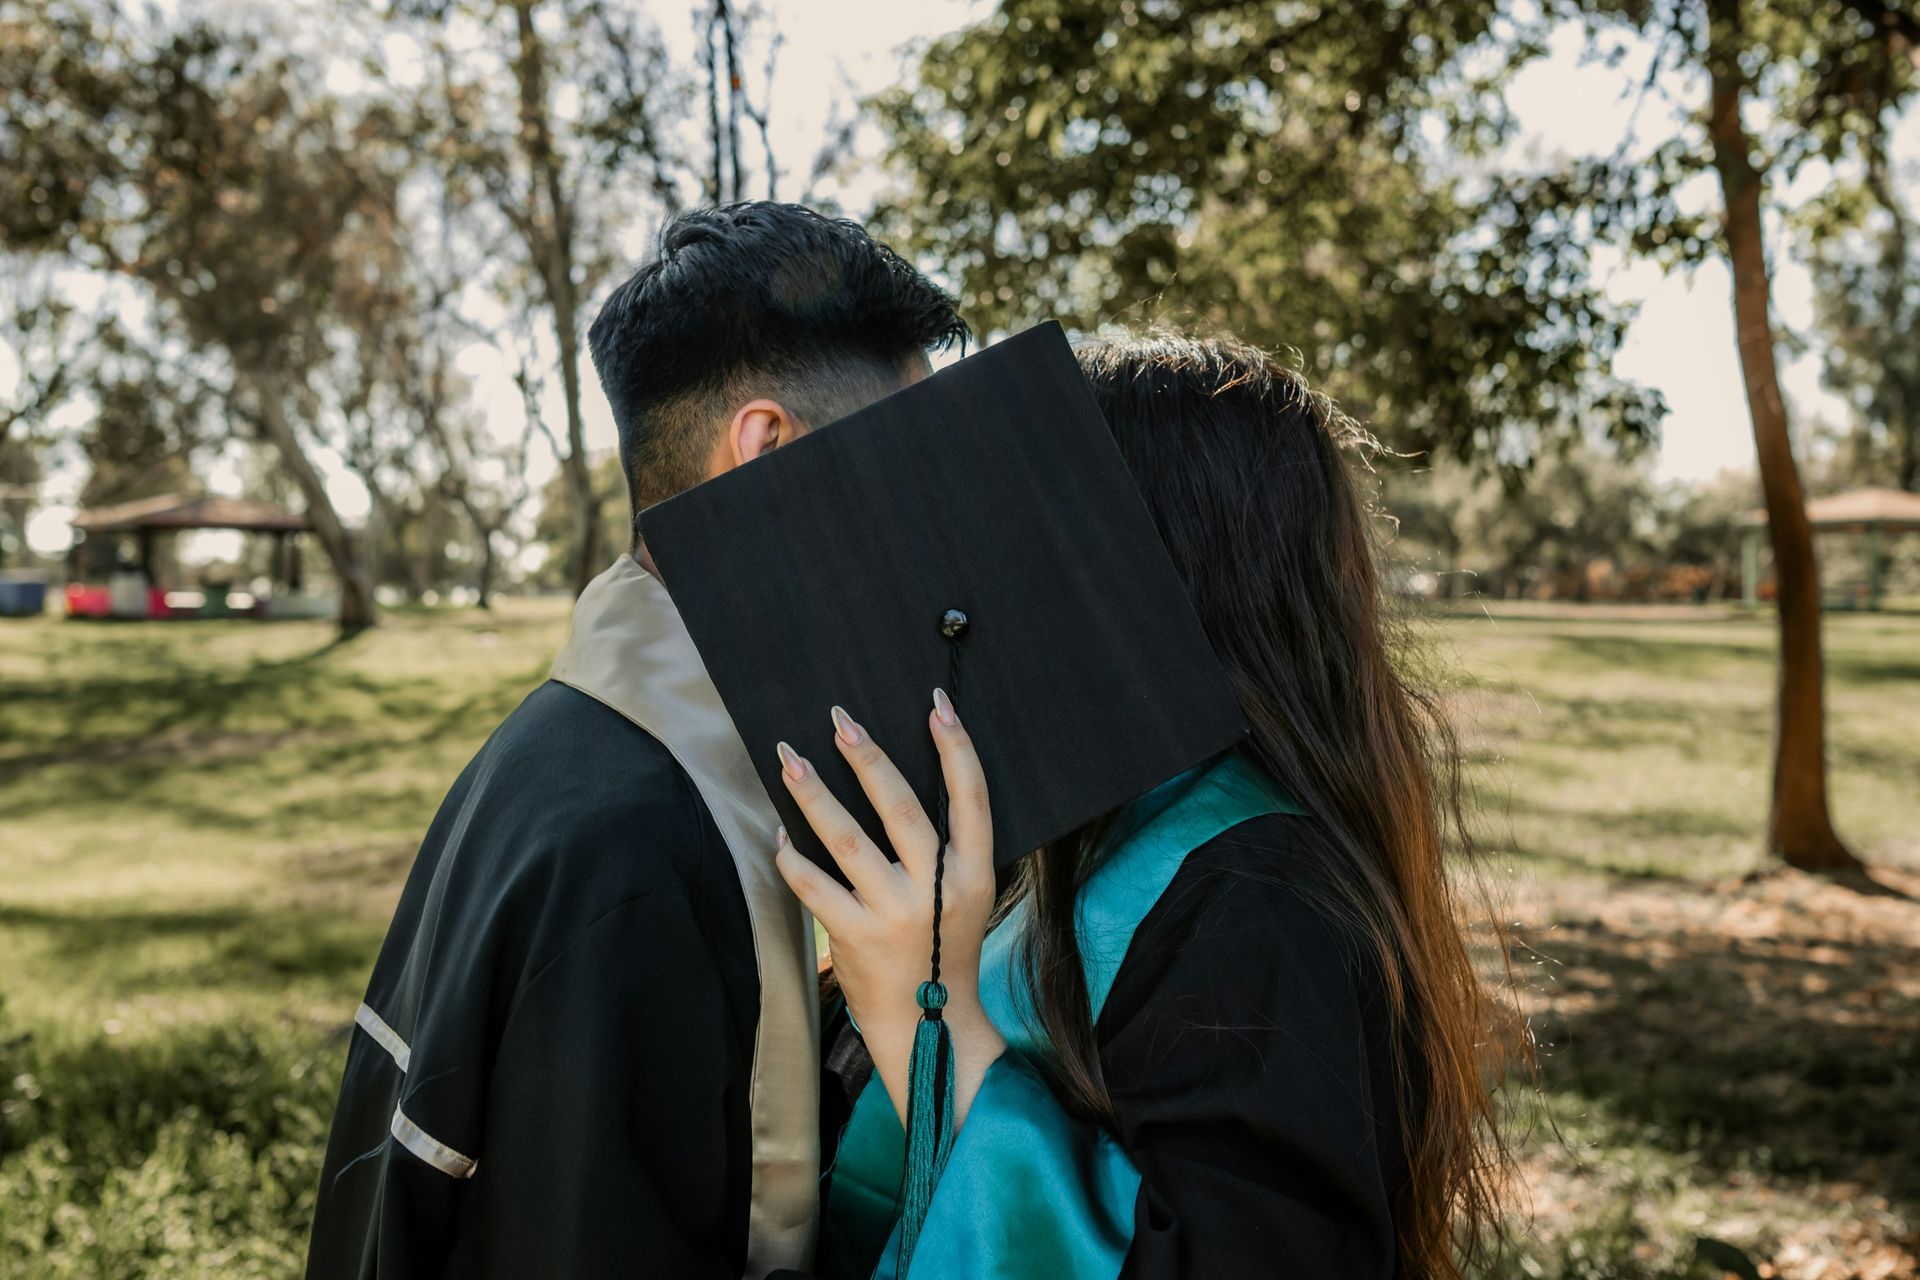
(1650, 653)
(1799, 1058)
(1658, 656)
(146, 740)
(202, 952)
(105, 718)
(1643, 870)
(1614, 723)
(1643, 823)
(1625, 724)
(1647, 842)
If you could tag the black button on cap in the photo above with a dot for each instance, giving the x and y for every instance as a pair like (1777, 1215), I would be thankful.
(954, 624)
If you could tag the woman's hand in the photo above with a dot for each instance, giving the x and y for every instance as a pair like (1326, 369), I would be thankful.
(882, 932)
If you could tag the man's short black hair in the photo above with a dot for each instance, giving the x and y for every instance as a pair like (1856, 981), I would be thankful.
(755, 299)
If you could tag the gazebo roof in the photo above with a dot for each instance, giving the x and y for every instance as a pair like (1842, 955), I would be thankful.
(1857, 510)
(173, 511)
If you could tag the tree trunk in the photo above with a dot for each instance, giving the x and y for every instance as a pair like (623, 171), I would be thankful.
(1799, 828)
(483, 539)
(550, 243)
(381, 525)
(485, 600)
(579, 469)
(356, 593)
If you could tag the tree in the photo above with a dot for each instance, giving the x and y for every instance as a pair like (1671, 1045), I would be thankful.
(487, 487)
(1701, 526)
(565, 183)
(488, 483)
(1869, 309)
(723, 36)
(568, 184)
(1800, 826)
(1787, 83)
(1501, 536)
(485, 481)
(46, 341)
(151, 418)
(555, 536)
(44, 348)
(371, 371)
(1292, 173)
(205, 168)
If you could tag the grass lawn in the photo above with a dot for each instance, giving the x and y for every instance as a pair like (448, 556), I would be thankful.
(203, 828)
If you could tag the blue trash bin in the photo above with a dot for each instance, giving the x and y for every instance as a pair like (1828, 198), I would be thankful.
(22, 594)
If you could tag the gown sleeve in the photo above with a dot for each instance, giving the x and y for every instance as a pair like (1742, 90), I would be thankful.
(608, 1125)
(1247, 1055)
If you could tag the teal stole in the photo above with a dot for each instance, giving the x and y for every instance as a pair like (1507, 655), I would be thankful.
(1028, 1189)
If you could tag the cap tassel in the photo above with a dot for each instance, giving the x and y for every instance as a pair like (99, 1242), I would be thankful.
(930, 1069)
(929, 1116)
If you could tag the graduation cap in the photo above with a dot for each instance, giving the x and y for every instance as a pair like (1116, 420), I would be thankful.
(978, 532)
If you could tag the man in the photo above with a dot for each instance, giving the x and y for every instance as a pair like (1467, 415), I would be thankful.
(590, 1044)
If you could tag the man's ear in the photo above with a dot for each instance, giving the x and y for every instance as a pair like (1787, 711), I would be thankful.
(757, 427)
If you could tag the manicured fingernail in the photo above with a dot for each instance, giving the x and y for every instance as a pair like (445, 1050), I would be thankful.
(780, 840)
(850, 733)
(943, 707)
(790, 761)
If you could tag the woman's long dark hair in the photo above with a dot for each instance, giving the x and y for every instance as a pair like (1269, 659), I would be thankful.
(1245, 470)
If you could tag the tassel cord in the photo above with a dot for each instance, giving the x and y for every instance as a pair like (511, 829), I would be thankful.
(930, 1069)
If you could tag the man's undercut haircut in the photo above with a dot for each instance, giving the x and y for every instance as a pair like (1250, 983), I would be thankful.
(755, 300)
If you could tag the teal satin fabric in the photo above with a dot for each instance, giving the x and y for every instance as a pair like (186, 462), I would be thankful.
(1028, 1190)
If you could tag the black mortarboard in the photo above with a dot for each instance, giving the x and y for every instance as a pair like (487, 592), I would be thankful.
(989, 500)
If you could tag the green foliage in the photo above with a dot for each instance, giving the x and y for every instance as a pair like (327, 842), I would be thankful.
(1825, 82)
(1291, 174)
(190, 1154)
(557, 533)
(1581, 505)
(1833, 74)
(1869, 309)
(192, 159)
(1589, 524)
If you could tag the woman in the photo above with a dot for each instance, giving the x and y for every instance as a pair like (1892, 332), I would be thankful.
(1278, 1067)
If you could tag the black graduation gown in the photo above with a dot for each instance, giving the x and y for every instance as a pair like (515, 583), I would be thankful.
(549, 1076)
(1248, 1049)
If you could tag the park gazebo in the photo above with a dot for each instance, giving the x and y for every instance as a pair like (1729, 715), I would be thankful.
(133, 588)
(1875, 514)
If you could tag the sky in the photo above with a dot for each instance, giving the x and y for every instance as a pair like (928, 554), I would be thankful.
(1680, 343)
